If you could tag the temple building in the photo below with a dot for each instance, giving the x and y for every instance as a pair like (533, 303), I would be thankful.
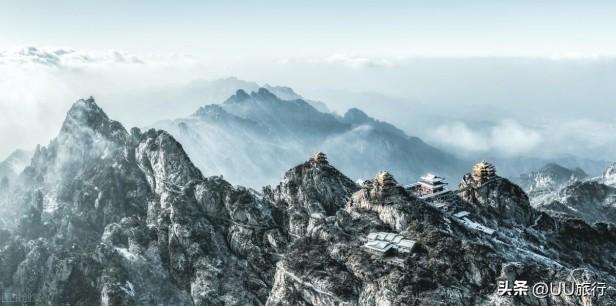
(381, 243)
(429, 186)
(380, 248)
(384, 178)
(319, 157)
(483, 171)
(430, 183)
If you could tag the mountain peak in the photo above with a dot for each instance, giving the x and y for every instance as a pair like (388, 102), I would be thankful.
(385, 179)
(483, 188)
(356, 116)
(549, 178)
(283, 92)
(315, 182)
(85, 111)
(88, 105)
(239, 96)
(558, 169)
(85, 116)
(319, 158)
(264, 94)
(553, 165)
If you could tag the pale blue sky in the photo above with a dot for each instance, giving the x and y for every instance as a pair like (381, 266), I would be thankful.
(287, 29)
(541, 69)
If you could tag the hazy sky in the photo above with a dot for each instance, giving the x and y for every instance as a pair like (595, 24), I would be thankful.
(262, 29)
(513, 77)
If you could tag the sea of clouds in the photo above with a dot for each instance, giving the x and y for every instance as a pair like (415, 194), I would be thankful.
(493, 106)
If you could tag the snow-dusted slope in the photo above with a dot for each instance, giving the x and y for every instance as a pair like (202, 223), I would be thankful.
(558, 190)
(590, 201)
(609, 176)
(550, 178)
(107, 216)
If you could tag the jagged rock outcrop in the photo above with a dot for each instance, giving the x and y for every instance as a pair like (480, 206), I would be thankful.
(118, 218)
(497, 195)
(609, 176)
(590, 201)
(451, 263)
(548, 179)
(392, 204)
(327, 268)
(313, 188)
(570, 193)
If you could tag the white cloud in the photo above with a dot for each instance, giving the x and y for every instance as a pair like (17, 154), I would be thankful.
(458, 134)
(357, 62)
(588, 138)
(512, 138)
(38, 85)
(69, 58)
(63, 57)
(507, 137)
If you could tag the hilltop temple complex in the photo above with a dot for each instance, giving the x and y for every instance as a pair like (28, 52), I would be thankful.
(319, 158)
(430, 188)
(483, 171)
(385, 178)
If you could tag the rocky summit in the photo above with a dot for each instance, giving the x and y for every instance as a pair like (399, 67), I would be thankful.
(113, 217)
(106, 216)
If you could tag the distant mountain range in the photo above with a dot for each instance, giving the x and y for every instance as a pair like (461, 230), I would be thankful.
(184, 99)
(549, 178)
(220, 89)
(251, 138)
(361, 140)
(559, 190)
(513, 167)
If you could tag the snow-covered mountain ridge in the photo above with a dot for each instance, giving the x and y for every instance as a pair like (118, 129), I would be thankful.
(252, 137)
(107, 216)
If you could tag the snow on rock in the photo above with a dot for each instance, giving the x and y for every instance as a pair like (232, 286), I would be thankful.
(138, 224)
(609, 176)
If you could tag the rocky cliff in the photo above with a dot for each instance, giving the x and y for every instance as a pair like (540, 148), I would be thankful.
(454, 262)
(107, 216)
(609, 175)
(117, 218)
(590, 201)
(574, 194)
(549, 178)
